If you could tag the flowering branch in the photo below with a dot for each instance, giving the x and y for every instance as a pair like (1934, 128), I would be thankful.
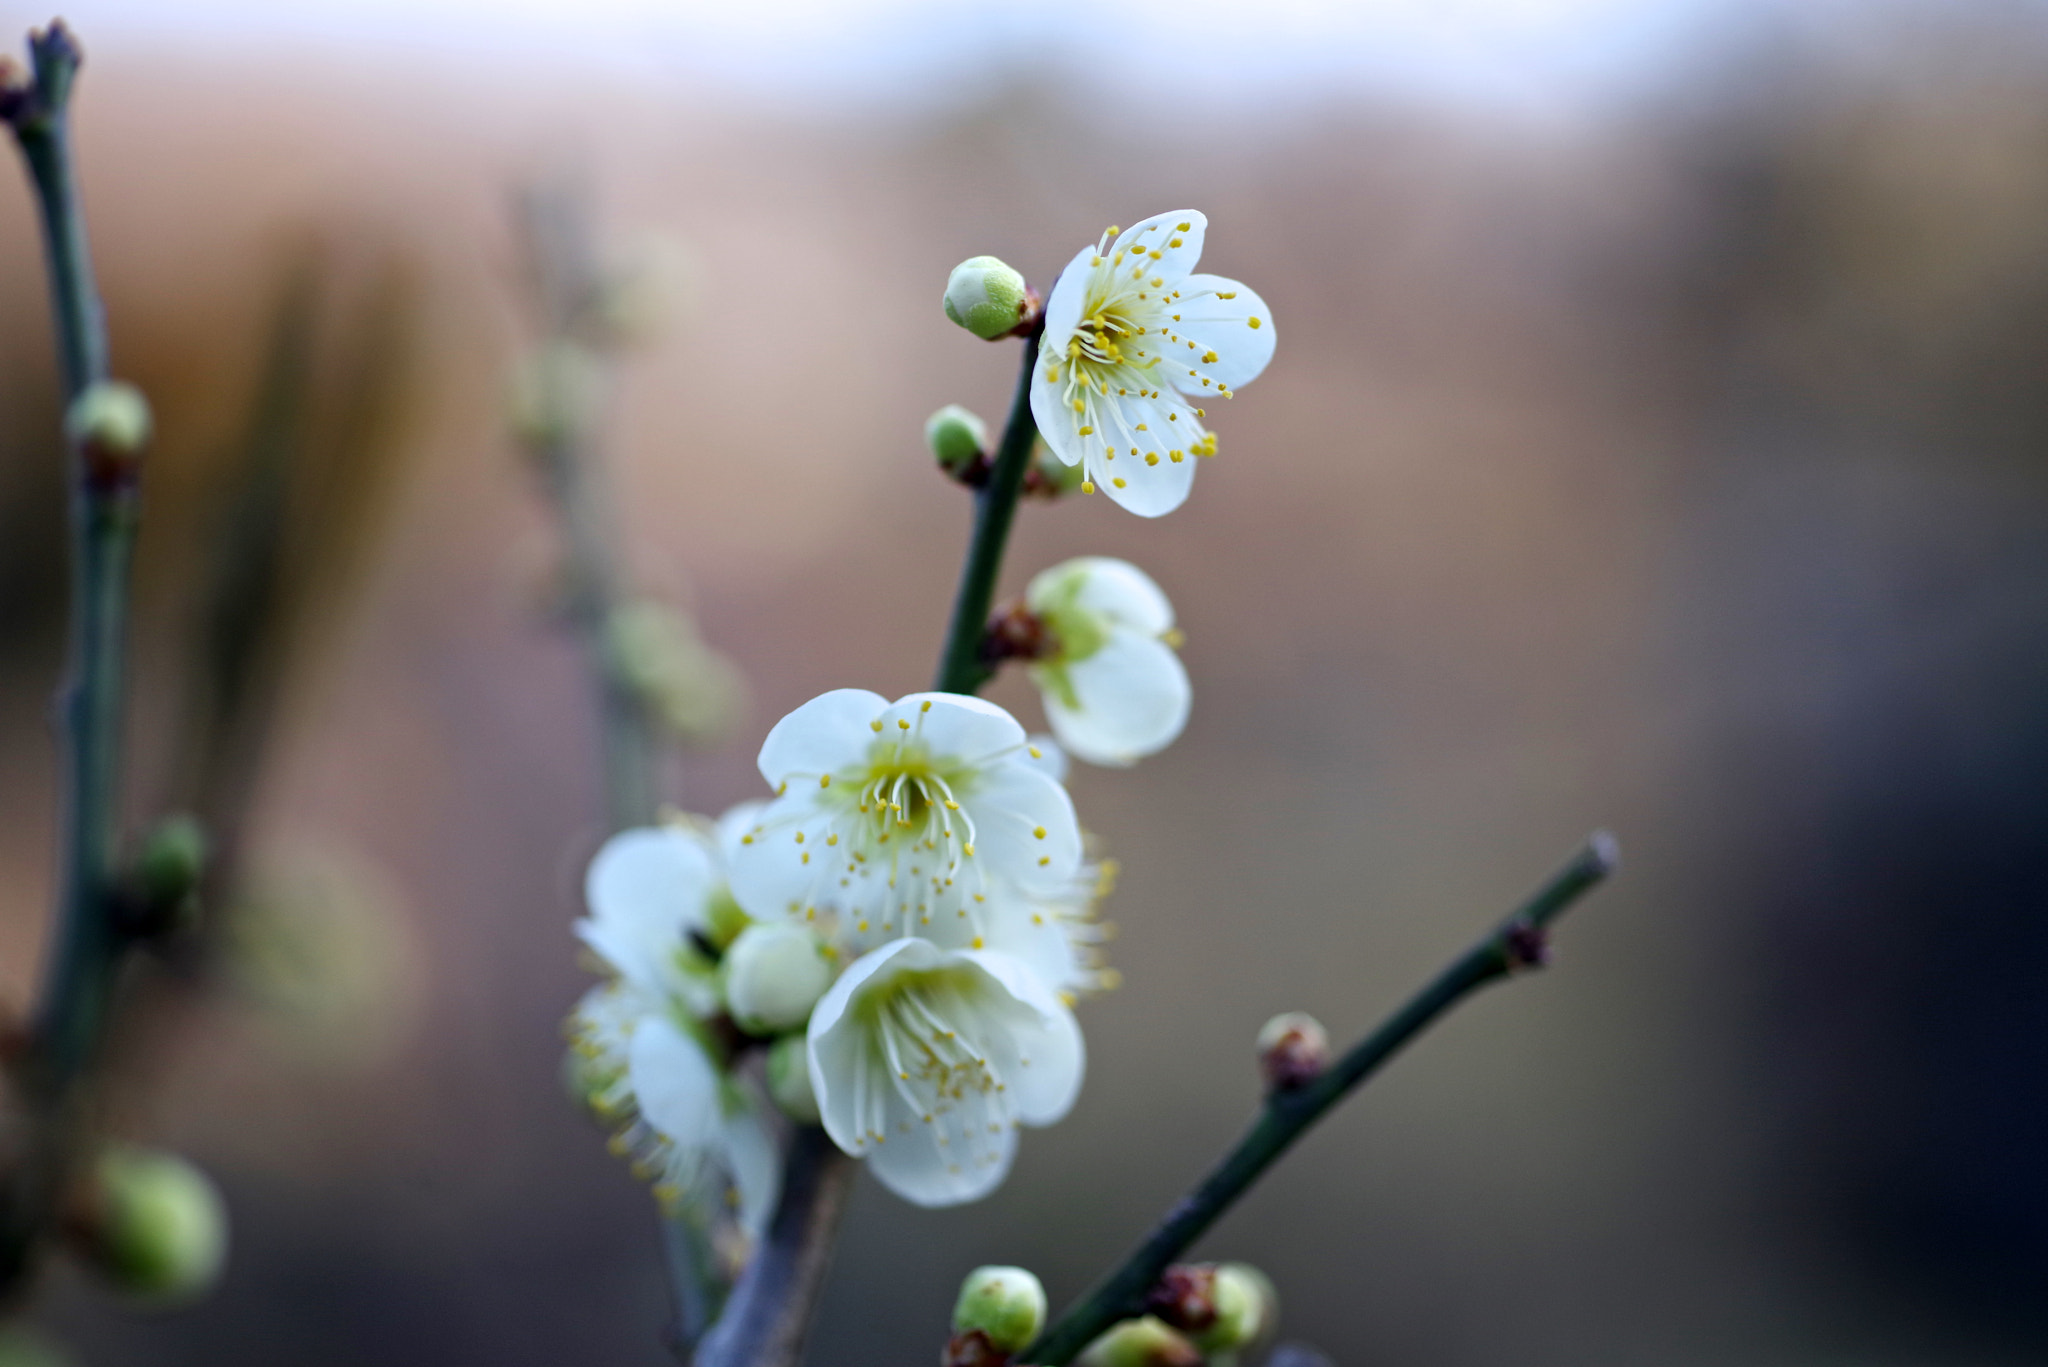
(962, 666)
(1517, 943)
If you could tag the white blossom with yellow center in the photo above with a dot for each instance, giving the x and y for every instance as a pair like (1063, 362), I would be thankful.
(1136, 348)
(925, 1062)
(1114, 687)
(901, 818)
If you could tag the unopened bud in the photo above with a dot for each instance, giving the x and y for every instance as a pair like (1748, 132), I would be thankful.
(774, 974)
(1246, 1308)
(957, 437)
(1145, 1342)
(1049, 476)
(986, 297)
(555, 394)
(723, 921)
(1005, 1303)
(154, 1225)
(1294, 1050)
(110, 423)
(167, 872)
(789, 1079)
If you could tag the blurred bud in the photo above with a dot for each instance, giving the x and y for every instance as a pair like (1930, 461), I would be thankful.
(1005, 1303)
(1140, 1343)
(110, 423)
(154, 1225)
(692, 689)
(774, 974)
(986, 297)
(789, 1079)
(723, 920)
(646, 286)
(1247, 1308)
(555, 394)
(957, 437)
(167, 873)
(1294, 1050)
(1049, 476)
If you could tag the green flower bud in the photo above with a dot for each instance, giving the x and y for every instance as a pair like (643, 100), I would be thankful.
(956, 436)
(110, 417)
(168, 869)
(1145, 1342)
(789, 1079)
(157, 1229)
(1005, 1303)
(555, 394)
(986, 297)
(1247, 1308)
(774, 974)
(723, 920)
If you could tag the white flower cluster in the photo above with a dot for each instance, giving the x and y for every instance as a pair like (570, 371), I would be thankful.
(910, 916)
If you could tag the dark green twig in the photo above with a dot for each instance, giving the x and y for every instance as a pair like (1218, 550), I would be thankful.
(1516, 943)
(962, 668)
(72, 1009)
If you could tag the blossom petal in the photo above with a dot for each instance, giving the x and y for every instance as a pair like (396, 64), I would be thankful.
(674, 1083)
(1052, 1059)
(1011, 804)
(646, 890)
(1050, 759)
(1176, 238)
(954, 726)
(1225, 327)
(825, 734)
(834, 1041)
(1057, 421)
(1114, 588)
(1063, 305)
(944, 1162)
(1133, 697)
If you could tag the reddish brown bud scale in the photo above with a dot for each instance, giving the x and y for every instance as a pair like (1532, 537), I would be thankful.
(972, 1349)
(1294, 1050)
(1185, 1297)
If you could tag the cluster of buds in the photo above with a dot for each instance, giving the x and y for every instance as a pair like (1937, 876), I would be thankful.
(1197, 1313)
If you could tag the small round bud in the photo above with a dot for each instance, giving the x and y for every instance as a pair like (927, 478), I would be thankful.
(1294, 1050)
(1246, 1308)
(789, 1079)
(168, 869)
(109, 421)
(1145, 1342)
(555, 394)
(986, 297)
(1005, 1303)
(155, 1225)
(774, 975)
(957, 438)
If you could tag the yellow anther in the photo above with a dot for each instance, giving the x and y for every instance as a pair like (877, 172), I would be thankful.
(1080, 407)
(968, 849)
(1118, 481)
(1087, 432)
(977, 942)
(926, 707)
(1087, 486)
(1151, 457)
(902, 724)
(1208, 358)
(1173, 417)
(1155, 254)
(1254, 322)
(1176, 457)
(806, 857)
(1174, 243)
(1043, 860)
(951, 806)
(1142, 428)
(824, 780)
(1231, 294)
(799, 837)
(1036, 753)
(1173, 636)
(746, 840)
(1157, 284)
(876, 724)
(832, 839)
(1038, 831)
(1184, 227)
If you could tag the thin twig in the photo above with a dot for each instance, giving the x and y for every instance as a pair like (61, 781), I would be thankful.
(962, 669)
(1517, 942)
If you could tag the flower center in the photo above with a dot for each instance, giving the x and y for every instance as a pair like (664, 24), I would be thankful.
(942, 1076)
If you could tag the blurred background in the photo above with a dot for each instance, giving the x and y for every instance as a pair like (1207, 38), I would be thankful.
(1655, 440)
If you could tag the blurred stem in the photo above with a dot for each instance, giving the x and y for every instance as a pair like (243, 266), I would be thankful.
(73, 1006)
(1516, 943)
(961, 666)
(769, 1311)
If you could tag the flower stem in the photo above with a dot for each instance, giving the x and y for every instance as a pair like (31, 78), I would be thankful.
(962, 669)
(73, 1007)
(1516, 943)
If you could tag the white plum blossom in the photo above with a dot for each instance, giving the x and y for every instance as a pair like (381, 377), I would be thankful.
(644, 1060)
(1134, 346)
(925, 1061)
(1114, 688)
(1056, 935)
(899, 819)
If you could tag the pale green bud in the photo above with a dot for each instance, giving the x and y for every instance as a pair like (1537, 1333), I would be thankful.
(986, 297)
(555, 394)
(789, 1079)
(957, 437)
(1006, 1304)
(109, 418)
(173, 857)
(1247, 1307)
(158, 1229)
(1145, 1342)
(774, 974)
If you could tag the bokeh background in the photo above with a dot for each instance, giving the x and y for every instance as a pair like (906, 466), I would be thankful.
(1655, 440)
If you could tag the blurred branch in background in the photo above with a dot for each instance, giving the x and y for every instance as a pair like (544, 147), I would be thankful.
(654, 678)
